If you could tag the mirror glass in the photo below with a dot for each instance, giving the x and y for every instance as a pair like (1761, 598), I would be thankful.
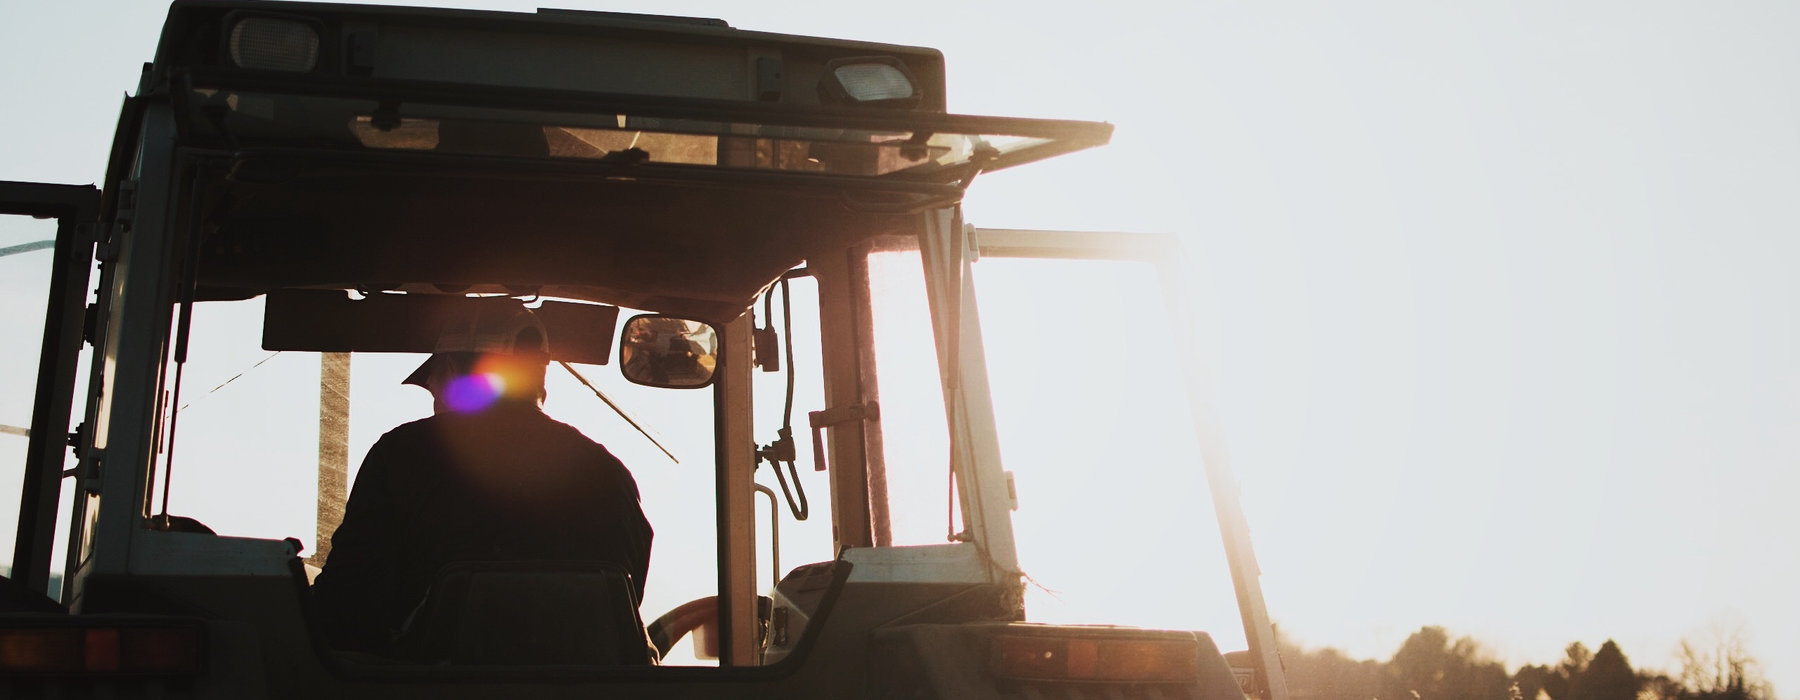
(668, 352)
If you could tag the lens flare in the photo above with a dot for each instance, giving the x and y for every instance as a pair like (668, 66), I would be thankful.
(474, 392)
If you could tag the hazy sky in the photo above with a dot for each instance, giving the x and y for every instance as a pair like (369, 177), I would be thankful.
(1496, 293)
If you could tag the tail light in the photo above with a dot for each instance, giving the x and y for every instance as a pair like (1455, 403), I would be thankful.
(101, 649)
(1047, 658)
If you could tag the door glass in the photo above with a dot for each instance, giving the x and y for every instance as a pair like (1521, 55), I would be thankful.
(1115, 524)
(26, 255)
(801, 541)
(912, 492)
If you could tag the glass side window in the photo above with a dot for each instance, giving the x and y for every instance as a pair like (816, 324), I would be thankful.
(801, 489)
(1093, 420)
(912, 486)
(26, 255)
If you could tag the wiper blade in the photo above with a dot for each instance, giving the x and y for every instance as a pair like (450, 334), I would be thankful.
(617, 409)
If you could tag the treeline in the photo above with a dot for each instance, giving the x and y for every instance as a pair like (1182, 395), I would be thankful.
(1431, 665)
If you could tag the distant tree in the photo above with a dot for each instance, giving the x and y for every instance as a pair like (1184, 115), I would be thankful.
(1721, 669)
(1534, 682)
(1608, 676)
(1659, 686)
(1327, 674)
(1575, 659)
(1477, 675)
(1432, 667)
(1559, 682)
(1419, 666)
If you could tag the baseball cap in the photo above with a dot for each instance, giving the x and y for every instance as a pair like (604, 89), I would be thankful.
(488, 330)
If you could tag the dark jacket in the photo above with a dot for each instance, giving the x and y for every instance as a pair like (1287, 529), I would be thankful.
(505, 484)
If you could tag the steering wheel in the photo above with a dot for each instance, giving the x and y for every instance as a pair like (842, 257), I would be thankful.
(687, 617)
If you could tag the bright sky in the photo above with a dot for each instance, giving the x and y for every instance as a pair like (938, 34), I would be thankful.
(1496, 293)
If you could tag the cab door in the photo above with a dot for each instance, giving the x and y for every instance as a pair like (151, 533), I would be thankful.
(1104, 415)
(46, 256)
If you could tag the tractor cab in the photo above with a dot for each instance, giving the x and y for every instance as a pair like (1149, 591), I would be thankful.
(748, 256)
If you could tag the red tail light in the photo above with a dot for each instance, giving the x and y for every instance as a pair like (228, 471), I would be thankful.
(1095, 659)
(110, 649)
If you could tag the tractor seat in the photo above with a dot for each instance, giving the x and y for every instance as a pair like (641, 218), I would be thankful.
(530, 613)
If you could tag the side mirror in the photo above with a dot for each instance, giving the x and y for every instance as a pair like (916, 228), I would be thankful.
(668, 352)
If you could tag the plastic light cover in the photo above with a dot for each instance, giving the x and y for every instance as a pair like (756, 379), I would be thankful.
(873, 82)
(99, 650)
(274, 43)
(1091, 659)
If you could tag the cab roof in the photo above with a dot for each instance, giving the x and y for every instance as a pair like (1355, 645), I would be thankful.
(676, 166)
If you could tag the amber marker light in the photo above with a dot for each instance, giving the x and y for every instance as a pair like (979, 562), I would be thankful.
(1045, 658)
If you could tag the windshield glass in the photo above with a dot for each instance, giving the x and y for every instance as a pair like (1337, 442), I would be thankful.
(252, 428)
(257, 433)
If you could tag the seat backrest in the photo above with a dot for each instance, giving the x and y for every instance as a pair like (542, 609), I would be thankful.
(529, 613)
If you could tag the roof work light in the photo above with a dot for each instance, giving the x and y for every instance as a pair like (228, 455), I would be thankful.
(875, 80)
(274, 43)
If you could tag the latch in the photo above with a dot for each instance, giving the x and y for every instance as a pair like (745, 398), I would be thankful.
(837, 416)
(87, 471)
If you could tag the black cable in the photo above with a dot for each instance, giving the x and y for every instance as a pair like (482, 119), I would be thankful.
(782, 450)
(787, 329)
(184, 326)
(800, 511)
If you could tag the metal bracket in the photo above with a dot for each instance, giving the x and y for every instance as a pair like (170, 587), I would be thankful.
(88, 470)
(109, 244)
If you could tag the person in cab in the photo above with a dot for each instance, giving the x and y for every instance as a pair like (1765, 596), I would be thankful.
(487, 478)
